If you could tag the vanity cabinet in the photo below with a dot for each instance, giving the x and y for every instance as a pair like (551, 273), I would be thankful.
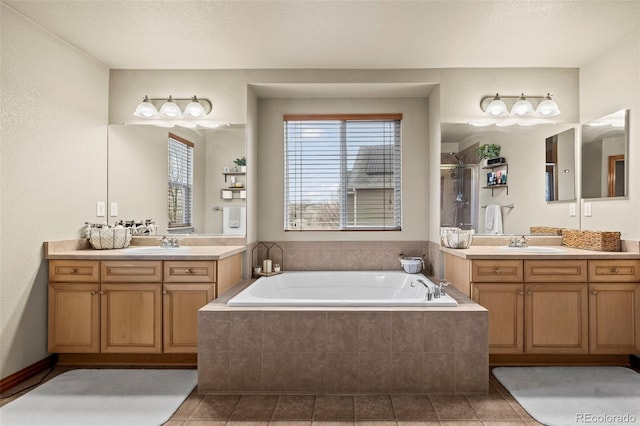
(132, 306)
(188, 286)
(614, 306)
(505, 303)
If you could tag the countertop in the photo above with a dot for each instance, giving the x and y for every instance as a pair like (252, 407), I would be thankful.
(74, 250)
(502, 252)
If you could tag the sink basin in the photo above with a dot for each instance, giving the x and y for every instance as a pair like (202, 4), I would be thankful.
(155, 250)
(532, 249)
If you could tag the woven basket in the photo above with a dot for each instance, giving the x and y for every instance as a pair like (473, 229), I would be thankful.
(591, 240)
(547, 230)
(109, 238)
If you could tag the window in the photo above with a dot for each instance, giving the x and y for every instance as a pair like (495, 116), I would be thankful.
(342, 172)
(180, 181)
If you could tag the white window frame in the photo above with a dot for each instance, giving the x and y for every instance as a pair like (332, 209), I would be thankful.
(179, 164)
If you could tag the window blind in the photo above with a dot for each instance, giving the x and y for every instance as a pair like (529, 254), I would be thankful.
(342, 172)
(180, 181)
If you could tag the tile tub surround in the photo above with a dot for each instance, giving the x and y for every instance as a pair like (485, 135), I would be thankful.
(342, 350)
(343, 255)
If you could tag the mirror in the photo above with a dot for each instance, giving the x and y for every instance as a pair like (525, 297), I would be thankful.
(559, 173)
(138, 177)
(605, 147)
(465, 194)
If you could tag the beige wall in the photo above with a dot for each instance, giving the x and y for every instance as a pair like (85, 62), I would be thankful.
(53, 170)
(415, 133)
(610, 83)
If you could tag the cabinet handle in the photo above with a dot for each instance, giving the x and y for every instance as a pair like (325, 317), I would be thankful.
(529, 293)
(521, 293)
(497, 270)
(594, 292)
(73, 270)
(165, 292)
(93, 293)
(101, 292)
(615, 270)
(188, 271)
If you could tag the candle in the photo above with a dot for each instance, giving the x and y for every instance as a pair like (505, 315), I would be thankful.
(266, 266)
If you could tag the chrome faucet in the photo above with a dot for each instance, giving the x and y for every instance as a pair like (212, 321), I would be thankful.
(518, 241)
(168, 243)
(431, 288)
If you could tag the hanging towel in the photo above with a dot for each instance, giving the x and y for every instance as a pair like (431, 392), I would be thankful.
(493, 219)
(234, 217)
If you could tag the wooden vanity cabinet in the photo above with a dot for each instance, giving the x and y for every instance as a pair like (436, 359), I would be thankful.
(556, 307)
(131, 306)
(614, 306)
(74, 306)
(505, 303)
(188, 286)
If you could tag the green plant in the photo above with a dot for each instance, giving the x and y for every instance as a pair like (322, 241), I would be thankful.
(488, 151)
(240, 161)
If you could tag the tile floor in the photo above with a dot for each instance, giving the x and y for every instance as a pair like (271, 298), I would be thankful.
(496, 408)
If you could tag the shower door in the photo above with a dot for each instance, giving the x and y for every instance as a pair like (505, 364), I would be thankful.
(458, 196)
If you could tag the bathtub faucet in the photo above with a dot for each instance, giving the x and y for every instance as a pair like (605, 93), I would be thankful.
(431, 288)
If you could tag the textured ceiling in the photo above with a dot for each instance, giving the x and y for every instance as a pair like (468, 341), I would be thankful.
(182, 34)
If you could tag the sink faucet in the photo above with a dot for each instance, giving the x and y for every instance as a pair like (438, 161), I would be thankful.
(518, 241)
(431, 288)
(167, 243)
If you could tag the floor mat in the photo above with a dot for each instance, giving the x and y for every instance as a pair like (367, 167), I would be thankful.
(102, 397)
(575, 395)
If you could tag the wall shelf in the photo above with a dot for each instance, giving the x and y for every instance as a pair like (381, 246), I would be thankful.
(232, 174)
(496, 166)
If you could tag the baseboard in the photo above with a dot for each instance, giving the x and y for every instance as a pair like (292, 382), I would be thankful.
(539, 359)
(27, 372)
(150, 360)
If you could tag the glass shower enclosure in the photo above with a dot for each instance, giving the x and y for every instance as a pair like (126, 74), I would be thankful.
(458, 195)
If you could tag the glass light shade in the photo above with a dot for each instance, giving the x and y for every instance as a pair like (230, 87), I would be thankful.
(547, 108)
(497, 108)
(170, 109)
(522, 107)
(194, 109)
(146, 109)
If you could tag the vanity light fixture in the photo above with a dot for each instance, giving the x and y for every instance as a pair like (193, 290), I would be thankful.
(172, 108)
(521, 106)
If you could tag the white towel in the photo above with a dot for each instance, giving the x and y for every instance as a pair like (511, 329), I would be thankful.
(234, 217)
(493, 219)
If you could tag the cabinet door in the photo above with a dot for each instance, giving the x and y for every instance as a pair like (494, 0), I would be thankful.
(614, 318)
(181, 303)
(74, 318)
(556, 318)
(131, 318)
(506, 315)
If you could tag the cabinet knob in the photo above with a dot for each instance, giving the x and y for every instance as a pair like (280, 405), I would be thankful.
(73, 270)
(594, 292)
(521, 293)
(615, 270)
(529, 293)
(165, 292)
(497, 270)
(93, 293)
(188, 271)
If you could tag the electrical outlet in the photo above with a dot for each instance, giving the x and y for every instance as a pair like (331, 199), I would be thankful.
(572, 209)
(587, 209)
(100, 208)
(113, 209)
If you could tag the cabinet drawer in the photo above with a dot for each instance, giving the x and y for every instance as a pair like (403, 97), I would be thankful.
(136, 271)
(86, 271)
(556, 271)
(192, 271)
(496, 271)
(620, 271)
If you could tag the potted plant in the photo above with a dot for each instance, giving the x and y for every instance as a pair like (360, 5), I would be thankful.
(487, 151)
(241, 164)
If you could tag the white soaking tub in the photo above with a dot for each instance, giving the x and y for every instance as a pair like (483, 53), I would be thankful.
(339, 288)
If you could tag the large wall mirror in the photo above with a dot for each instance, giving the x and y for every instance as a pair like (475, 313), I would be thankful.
(139, 173)
(522, 202)
(605, 147)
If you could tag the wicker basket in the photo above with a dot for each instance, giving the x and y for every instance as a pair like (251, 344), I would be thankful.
(547, 230)
(109, 238)
(591, 240)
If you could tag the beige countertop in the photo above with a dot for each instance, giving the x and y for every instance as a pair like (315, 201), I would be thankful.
(76, 249)
(560, 252)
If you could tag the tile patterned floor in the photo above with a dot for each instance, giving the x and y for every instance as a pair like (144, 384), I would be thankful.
(496, 408)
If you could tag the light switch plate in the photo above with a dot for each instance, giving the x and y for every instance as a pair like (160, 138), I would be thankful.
(113, 209)
(100, 209)
(572, 209)
(587, 209)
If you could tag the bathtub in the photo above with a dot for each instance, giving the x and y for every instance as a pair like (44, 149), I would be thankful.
(339, 288)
